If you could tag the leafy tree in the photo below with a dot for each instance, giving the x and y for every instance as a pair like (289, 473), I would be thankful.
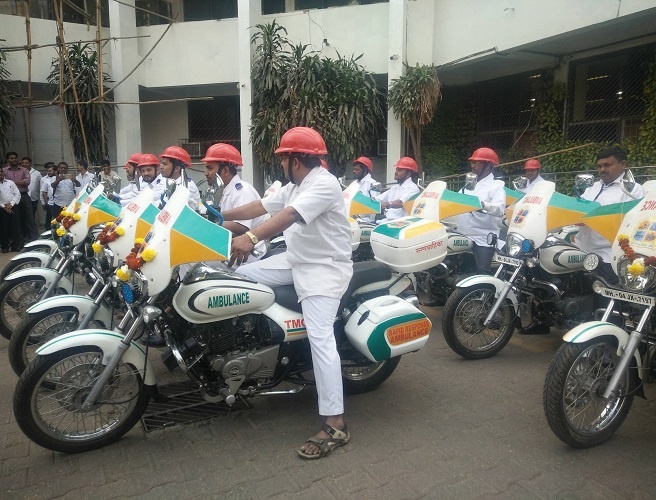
(413, 98)
(86, 122)
(6, 108)
(295, 87)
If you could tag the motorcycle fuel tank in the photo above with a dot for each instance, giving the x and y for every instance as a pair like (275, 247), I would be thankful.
(560, 259)
(217, 299)
(459, 243)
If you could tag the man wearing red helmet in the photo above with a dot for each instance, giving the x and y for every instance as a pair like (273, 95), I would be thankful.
(477, 225)
(130, 191)
(172, 163)
(311, 213)
(223, 159)
(393, 199)
(362, 168)
(532, 172)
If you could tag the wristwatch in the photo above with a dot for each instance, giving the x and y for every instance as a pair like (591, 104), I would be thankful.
(253, 238)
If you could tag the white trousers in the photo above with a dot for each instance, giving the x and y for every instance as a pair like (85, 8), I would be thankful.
(319, 314)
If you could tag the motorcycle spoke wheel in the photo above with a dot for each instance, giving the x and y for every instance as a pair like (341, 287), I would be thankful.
(15, 298)
(18, 265)
(573, 393)
(364, 375)
(462, 323)
(50, 393)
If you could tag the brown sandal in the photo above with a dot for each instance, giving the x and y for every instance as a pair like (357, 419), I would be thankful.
(337, 438)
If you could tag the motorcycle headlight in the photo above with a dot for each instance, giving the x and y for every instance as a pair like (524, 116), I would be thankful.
(104, 261)
(134, 289)
(642, 283)
(514, 244)
(65, 242)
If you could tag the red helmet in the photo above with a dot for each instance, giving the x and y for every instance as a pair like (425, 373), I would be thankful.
(223, 153)
(324, 164)
(302, 140)
(363, 160)
(177, 153)
(148, 159)
(134, 158)
(485, 154)
(407, 163)
(532, 164)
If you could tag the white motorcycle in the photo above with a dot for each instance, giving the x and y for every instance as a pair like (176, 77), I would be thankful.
(233, 337)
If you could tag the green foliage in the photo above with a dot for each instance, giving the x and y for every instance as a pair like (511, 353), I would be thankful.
(84, 65)
(6, 107)
(643, 150)
(413, 98)
(294, 87)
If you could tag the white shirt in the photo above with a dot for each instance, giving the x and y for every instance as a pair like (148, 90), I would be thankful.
(238, 193)
(477, 225)
(130, 191)
(194, 193)
(35, 184)
(404, 191)
(536, 181)
(588, 239)
(319, 248)
(64, 193)
(365, 188)
(9, 193)
(84, 179)
(46, 187)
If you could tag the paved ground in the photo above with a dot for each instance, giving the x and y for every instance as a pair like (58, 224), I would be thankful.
(439, 427)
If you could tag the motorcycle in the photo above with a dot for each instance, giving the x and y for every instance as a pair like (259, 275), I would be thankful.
(55, 316)
(28, 286)
(540, 281)
(602, 365)
(233, 337)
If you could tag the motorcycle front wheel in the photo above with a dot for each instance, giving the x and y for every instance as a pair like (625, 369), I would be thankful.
(15, 297)
(19, 264)
(573, 403)
(49, 396)
(359, 377)
(463, 317)
(37, 329)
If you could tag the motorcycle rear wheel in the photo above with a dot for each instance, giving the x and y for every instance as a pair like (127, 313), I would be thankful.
(462, 322)
(37, 329)
(572, 397)
(359, 379)
(19, 264)
(49, 395)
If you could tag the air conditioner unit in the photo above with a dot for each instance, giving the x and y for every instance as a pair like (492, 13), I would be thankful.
(381, 150)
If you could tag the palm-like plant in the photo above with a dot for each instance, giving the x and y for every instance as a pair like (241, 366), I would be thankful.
(294, 87)
(86, 122)
(6, 107)
(413, 98)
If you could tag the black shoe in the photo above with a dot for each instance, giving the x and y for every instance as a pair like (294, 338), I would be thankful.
(153, 341)
(535, 330)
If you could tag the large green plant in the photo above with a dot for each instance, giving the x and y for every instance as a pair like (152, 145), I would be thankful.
(6, 107)
(87, 123)
(413, 98)
(294, 87)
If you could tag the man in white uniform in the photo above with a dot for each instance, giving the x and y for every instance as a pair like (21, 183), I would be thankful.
(223, 159)
(172, 162)
(362, 168)
(64, 188)
(490, 192)
(310, 210)
(131, 190)
(46, 191)
(393, 199)
(147, 170)
(83, 175)
(10, 231)
(611, 164)
(532, 170)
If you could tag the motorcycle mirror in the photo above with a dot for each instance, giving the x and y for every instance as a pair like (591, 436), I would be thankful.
(170, 187)
(520, 183)
(218, 182)
(470, 181)
(342, 182)
(628, 182)
(375, 189)
(492, 239)
(584, 180)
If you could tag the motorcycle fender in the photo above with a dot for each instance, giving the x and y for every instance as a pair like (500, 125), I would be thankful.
(594, 329)
(490, 280)
(49, 275)
(43, 257)
(82, 304)
(107, 341)
(38, 243)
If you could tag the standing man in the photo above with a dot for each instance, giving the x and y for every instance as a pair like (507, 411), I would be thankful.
(532, 170)
(63, 189)
(10, 231)
(224, 160)
(21, 177)
(83, 175)
(46, 191)
(393, 199)
(108, 177)
(35, 183)
(611, 163)
(310, 210)
(172, 162)
(477, 225)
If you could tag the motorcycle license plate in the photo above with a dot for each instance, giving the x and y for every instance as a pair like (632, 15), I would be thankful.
(507, 260)
(628, 296)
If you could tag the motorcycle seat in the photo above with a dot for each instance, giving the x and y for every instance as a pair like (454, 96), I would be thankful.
(363, 274)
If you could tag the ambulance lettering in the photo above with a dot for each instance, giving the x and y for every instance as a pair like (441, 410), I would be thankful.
(235, 299)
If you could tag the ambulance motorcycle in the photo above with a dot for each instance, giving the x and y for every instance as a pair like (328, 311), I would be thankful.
(55, 316)
(233, 337)
(540, 282)
(594, 376)
(23, 288)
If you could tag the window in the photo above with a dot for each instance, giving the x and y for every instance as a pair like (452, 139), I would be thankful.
(203, 10)
(273, 6)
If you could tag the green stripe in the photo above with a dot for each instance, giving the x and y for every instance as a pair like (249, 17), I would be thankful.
(570, 203)
(366, 201)
(461, 198)
(590, 328)
(107, 206)
(208, 234)
(395, 230)
(294, 330)
(613, 208)
(71, 336)
(512, 193)
(377, 344)
(150, 214)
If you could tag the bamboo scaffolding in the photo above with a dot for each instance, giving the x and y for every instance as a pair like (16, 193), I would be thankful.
(18, 48)
(45, 104)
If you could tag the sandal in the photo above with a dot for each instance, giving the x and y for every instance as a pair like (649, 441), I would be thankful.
(337, 438)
